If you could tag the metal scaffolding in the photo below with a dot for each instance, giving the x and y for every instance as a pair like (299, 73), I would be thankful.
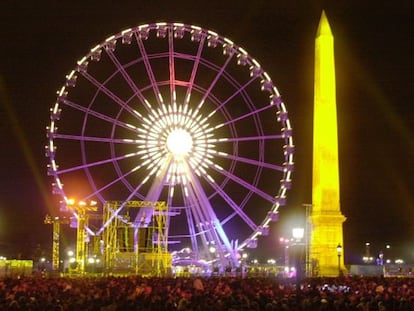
(81, 209)
(130, 247)
(56, 222)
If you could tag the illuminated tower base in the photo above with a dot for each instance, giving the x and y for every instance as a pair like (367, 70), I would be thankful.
(326, 240)
(326, 258)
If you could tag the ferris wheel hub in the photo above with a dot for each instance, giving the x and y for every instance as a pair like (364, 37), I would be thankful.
(179, 142)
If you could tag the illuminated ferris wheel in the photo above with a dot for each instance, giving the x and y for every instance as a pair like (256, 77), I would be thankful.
(176, 113)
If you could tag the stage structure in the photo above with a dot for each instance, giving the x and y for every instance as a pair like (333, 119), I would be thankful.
(133, 248)
(174, 113)
(326, 242)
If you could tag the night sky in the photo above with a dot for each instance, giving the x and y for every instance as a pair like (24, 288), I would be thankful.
(42, 40)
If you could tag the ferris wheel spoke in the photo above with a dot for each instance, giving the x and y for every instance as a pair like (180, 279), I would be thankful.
(127, 77)
(97, 163)
(251, 161)
(194, 71)
(245, 138)
(120, 178)
(238, 91)
(121, 207)
(94, 139)
(244, 183)
(236, 208)
(99, 115)
(149, 70)
(246, 115)
(110, 94)
(213, 83)
(171, 65)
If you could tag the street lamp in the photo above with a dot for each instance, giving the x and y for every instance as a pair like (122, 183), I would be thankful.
(244, 263)
(339, 252)
(212, 249)
(367, 250)
(298, 234)
(285, 243)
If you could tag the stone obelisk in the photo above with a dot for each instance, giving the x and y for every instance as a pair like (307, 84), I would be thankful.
(326, 237)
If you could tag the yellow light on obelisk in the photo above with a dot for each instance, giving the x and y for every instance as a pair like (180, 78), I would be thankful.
(326, 218)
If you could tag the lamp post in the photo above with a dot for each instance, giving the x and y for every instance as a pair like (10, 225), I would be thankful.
(244, 264)
(339, 252)
(367, 258)
(298, 234)
(212, 250)
(285, 242)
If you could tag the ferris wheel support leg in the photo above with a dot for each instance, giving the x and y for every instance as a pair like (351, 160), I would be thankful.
(220, 236)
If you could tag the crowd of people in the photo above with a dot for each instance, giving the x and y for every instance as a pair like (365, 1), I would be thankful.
(202, 293)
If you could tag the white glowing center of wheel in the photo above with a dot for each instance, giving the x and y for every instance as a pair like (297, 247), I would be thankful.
(179, 142)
